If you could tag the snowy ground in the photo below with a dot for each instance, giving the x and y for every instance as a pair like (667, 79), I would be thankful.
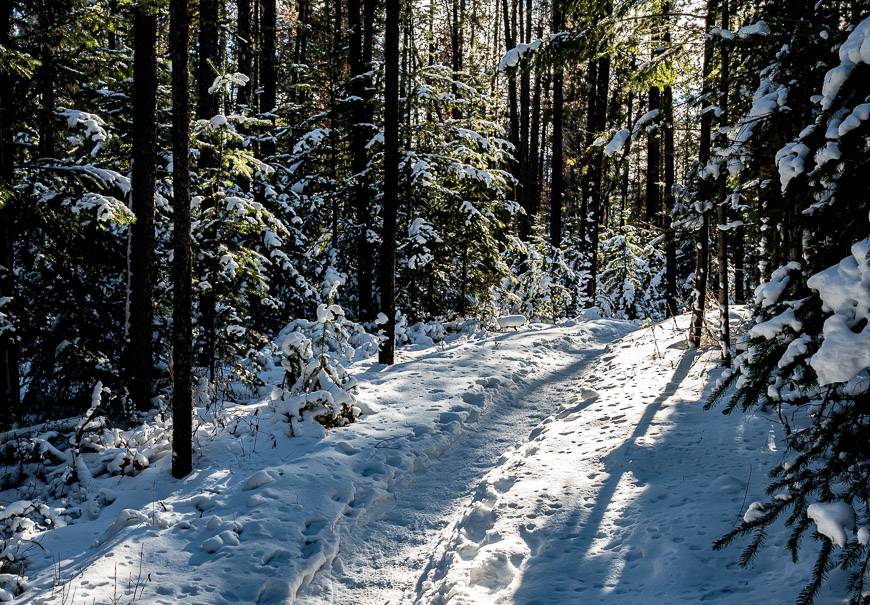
(556, 464)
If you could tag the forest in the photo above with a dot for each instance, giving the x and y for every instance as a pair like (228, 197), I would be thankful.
(421, 301)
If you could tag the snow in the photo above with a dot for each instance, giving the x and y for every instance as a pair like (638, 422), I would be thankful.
(264, 513)
(511, 321)
(845, 291)
(790, 161)
(645, 120)
(767, 293)
(617, 142)
(855, 50)
(861, 113)
(513, 57)
(773, 327)
(617, 497)
(555, 464)
(759, 28)
(832, 520)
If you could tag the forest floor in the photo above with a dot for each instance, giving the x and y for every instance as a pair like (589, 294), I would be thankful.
(555, 464)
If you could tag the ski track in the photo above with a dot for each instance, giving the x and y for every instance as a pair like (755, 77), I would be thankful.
(381, 559)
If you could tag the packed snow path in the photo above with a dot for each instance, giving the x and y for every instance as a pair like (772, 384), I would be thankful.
(384, 553)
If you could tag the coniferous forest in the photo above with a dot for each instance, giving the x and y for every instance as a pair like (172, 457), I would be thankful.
(419, 301)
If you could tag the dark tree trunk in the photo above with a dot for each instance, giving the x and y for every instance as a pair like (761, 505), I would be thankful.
(268, 42)
(138, 357)
(182, 328)
(513, 110)
(359, 134)
(668, 192)
(243, 49)
(738, 251)
(653, 163)
(391, 179)
(722, 210)
(112, 38)
(209, 59)
(535, 147)
(207, 105)
(9, 387)
(702, 242)
(557, 160)
(596, 164)
(47, 101)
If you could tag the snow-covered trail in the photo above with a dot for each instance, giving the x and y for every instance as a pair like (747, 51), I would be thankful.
(617, 499)
(384, 553)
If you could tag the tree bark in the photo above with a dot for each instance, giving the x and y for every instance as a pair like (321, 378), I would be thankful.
(391, 179)
(596, 164)
(182, 329)
(243, 50)
(557, 166)
(722, 210)
(668, 192)
(9, 379)
(138, 357)
(702, 241)
(359, 132)
(207, 106)
(653, 163)
(268, 42)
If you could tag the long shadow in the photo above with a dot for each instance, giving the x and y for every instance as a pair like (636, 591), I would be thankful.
(645, 537)
(546, 560)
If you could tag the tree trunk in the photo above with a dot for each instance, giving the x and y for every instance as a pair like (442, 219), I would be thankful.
(668, 125)
(182, 329)
(359, 156)
(9, 387)
(391, 179)
(596, 164)
(138, 359)
(653, 164)
(513, 110)
(243, 49)
(702, 242)
(268, 98)
(557, 160)
(722, 211)
(207, 106)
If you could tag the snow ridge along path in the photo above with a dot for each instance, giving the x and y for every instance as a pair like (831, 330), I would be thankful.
(264, 514)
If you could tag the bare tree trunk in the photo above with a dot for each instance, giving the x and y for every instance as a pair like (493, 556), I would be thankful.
(268, 42)
(596, 164)
(357, 53)
(182, 328)
(668, 125)
(391, 179)
(557, 166)
(702, 242)
(244, 49)
(9, 387)
(722, 211)
(207, 106)
(513, 110)
(653, 163)
(138, 358)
